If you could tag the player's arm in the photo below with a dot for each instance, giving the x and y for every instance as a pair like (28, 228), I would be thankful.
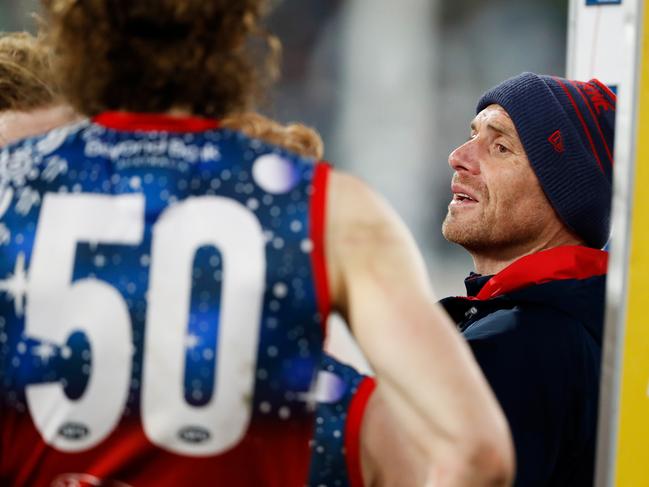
(386, 452)
(427, 374)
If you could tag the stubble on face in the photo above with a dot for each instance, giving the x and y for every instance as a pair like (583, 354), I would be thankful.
(506, 221)
(511, 210)
(468, 227)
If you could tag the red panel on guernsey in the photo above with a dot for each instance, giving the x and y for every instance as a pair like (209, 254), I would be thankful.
(272, 454)
(135, 462)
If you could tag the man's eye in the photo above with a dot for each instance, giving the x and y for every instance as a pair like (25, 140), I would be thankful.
(502, 149)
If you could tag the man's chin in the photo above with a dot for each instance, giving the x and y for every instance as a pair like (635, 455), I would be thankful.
(464, 233)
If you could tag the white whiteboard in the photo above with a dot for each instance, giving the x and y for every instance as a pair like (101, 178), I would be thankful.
(596, 40)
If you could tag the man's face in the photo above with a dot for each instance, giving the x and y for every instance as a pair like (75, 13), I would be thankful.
(16, 125)
(498, 204)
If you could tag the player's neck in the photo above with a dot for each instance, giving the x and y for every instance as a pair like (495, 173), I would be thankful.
(180, 112)
(16, 125)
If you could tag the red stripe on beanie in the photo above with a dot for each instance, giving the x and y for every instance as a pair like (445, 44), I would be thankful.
(599, 128)
(605, 89)
(583, 122)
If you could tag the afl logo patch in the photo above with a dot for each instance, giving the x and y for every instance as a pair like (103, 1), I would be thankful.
(193, 434)
(74, 431)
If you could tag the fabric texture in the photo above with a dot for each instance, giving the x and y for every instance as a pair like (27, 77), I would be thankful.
(540, 349)
(567, 130)
(336, 458)
(150, 214)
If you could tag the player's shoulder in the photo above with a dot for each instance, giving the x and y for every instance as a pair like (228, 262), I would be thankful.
(23, 160)
(360, 216)
(350, 185)
(45, 144)
(357, 197)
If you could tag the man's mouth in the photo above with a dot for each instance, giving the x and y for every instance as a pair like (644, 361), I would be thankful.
(461, 197)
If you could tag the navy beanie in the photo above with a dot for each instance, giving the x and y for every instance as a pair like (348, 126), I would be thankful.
(567, 129)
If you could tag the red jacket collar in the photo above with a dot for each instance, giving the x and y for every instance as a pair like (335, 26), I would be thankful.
(570, 262)
(153, 122)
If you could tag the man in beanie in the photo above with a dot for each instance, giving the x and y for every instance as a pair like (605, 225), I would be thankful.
(531, 204)
(168, 335)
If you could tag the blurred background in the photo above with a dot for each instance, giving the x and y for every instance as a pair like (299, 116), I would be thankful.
(392, 87)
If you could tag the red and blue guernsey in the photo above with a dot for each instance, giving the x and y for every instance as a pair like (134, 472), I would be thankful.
(343, 397)
(162, 300)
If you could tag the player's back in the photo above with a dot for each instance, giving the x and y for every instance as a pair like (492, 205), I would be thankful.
(165, 294)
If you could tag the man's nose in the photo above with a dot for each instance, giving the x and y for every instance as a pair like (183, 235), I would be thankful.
(465, 158)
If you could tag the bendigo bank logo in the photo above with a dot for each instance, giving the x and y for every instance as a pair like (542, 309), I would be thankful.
(557, 142)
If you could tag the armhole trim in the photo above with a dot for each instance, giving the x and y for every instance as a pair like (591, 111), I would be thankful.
(318, 222)
(353, 431)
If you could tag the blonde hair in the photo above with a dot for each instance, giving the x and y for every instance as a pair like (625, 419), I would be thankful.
(26, 76)
(295, 137)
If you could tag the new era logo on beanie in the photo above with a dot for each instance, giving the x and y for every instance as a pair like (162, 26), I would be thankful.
(567, 129)
(557, 141)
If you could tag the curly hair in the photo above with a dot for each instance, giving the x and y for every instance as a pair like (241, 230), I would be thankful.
(295, 137)
(154, 56)
(26, 77)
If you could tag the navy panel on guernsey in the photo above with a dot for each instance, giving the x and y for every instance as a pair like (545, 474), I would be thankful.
(159, 314)
(343, 394)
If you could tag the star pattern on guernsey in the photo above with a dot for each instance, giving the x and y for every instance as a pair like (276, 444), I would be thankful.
(16, 284)
(44, 351)
(168, 171)
(191, 341)
(309, 399)
(327, 388)
(328, 460)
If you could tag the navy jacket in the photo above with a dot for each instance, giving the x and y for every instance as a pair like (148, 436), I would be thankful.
(536, 330)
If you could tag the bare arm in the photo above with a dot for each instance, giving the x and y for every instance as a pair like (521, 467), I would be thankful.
(365, 236)
(427, 373)
(388, 458)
